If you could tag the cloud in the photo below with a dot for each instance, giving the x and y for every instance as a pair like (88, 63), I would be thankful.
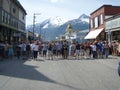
(56, 1)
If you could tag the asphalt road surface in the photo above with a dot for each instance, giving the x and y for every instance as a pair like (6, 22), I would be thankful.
(100, 74)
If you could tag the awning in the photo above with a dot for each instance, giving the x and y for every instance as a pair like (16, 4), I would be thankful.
(93, 34)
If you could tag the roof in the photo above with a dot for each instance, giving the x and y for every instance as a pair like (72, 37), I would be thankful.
(113, 17)
(20, 6)
(103, 7)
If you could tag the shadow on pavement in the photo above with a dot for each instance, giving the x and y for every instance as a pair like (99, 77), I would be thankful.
(17, 69)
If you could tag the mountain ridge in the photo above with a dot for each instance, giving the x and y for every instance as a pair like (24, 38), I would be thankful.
(50, 29)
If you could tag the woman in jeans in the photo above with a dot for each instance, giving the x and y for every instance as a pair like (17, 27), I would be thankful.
(94, 50)
(106, 48)
(44, 50)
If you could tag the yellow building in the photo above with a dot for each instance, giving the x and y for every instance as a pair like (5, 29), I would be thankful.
(12, 21)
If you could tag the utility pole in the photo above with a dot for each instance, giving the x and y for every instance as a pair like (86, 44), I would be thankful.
(34, 17)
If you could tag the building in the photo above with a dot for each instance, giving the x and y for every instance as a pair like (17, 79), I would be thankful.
(12, 21)
(81, 34)
(29, 35)
(68, 32)
(97, 21)
(112, 27)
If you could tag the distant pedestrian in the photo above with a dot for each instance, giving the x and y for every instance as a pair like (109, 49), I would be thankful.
(6, 47)
(23, 49)
(59, 47)
(32, 46)
(18, 51)
(10, 52)
(35, 50)
(106, 48)
(50, 51)
(64, 50)
(94, 50)
(77, 50)
(40, 49)
(28, 49)
(1, 50)
(44, 49)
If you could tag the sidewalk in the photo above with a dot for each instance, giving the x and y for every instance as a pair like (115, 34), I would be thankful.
(60, 58)
(111, 56)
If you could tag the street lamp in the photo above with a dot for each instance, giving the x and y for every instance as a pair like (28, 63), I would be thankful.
(34, 16)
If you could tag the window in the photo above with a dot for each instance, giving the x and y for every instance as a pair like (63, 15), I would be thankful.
(23, 17)
(8, 19)
(101, 19)
(3, 16)
(14, 9)
(12, 21)
(91, 22)
(96, 22)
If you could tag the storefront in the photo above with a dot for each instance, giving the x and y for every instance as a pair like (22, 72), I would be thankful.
(95, 34)
(112, 28)
(116, 35)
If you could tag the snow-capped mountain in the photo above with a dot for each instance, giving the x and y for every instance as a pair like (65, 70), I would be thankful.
(53, 22)
(84, 17)
(53, 27)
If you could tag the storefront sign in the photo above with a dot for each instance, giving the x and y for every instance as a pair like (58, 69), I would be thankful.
(17, 34)
(115, 23)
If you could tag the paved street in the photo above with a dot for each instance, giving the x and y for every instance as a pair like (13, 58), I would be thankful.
(98, 74)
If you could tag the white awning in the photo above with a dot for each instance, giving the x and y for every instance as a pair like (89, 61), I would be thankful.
(93, 34)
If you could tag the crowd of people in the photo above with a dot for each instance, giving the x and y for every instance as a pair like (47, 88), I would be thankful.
(59, 49)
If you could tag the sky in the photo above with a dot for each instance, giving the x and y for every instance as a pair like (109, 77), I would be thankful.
(68, 9)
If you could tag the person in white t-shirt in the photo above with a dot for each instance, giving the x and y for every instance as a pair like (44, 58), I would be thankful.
(35, 50)
(94, 50)
(32, 53)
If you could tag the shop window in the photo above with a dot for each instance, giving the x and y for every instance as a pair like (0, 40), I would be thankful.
(3, 16)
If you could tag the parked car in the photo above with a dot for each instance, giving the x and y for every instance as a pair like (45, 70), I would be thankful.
(119, 69)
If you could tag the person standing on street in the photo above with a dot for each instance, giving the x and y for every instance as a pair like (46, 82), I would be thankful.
(44, 49)
(35, 50)
(64, 50)
(18, 51)
(77, 50)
